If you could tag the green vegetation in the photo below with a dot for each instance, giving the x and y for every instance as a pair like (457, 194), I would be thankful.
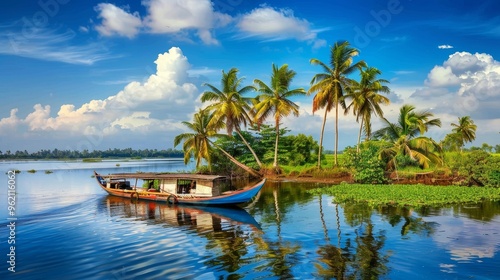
(407, 195)
(92, 160)
(49, 171)
(109, 153)
(332, 83)
(478, 168)
(274, 101)
(31, 171)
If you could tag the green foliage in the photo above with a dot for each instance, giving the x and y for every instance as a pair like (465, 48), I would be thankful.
(451, 142)
(109, 153)
(292, 149)
(478, 168)
(366, 165)
(407, 195)
(155, 184)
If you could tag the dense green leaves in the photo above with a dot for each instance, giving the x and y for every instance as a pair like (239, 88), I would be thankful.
(366, 166)
(408, 195)
(478, 168)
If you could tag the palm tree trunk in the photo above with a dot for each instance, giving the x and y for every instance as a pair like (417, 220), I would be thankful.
(235, 161)
(336, 133)
(275, 164)
(359, 134)
(321, 139)
(250, 148)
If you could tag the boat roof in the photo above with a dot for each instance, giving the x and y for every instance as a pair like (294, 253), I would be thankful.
(152, 176)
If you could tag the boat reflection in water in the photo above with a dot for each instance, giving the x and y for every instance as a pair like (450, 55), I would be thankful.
(200, 218)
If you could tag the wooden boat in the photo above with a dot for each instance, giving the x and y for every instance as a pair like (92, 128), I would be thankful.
(178, 188)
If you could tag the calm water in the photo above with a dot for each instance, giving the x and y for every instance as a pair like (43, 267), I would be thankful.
(67, 228)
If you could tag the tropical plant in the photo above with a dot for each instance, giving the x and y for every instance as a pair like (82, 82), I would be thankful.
(229, 106)
(478, 168)
(197, 143)
(465, 130)
(366, 99)
(366, 166)
(405, 137)
(331, 84)
(273, 100)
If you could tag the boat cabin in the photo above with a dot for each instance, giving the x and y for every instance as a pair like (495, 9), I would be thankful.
(178, 184)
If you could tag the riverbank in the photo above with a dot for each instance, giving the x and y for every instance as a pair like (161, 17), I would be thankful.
(428, 178)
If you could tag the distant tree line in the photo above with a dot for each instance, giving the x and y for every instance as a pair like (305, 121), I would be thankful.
(109, 153)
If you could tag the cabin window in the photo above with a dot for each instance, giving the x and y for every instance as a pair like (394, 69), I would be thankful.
(186, 186)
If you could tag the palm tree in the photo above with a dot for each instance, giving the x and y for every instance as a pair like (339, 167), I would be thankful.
(406, 137)
(465, 130)
(273, 100)
(230, 107)
(331, 84)
(198, 144)
(366, 99)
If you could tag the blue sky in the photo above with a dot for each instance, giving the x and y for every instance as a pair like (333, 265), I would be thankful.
(98, 75)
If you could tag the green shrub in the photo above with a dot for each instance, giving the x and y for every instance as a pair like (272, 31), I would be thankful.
(478, 168)
(367, 167)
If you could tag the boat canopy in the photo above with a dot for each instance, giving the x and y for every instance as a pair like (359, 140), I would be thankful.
(153, 176)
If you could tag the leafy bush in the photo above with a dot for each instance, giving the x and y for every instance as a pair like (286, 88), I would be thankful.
(478, 168)
(366, 165)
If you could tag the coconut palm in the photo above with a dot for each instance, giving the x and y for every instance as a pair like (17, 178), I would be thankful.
(229, 106)
(197, 143)
(331, 84)
(273, 100)
(465, 130)
(406, 138)
(366, 99)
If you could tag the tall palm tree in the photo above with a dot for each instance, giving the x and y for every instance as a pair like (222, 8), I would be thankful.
(406, 137)
(230, 107)
(197, 143)
(366, 99)
(465, 130)
(273, 100)
(331, 85)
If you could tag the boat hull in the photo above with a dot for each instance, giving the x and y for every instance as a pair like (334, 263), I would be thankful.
(229, 198)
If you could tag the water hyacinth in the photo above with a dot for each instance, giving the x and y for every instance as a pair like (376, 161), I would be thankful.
(408, 195)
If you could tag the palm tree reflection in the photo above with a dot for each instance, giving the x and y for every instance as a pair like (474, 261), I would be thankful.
(361, 258)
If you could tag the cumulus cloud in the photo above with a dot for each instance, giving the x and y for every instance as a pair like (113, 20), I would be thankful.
(10, 122)
(117, 21)
(171, 16)
(465, 84)
(158, 104)
(277, 24)
(182, 19)
(441, 77)
(445, 47)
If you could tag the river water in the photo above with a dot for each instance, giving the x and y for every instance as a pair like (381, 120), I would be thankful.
(66, 227)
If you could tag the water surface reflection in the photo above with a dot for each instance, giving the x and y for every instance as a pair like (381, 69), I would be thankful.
(70, 229)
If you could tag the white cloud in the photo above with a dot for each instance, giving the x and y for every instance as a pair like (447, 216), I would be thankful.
(465, 84)
(50, 45)
(277, 24)
(159, 104)
(10, 122)
(172, 16)
(445, 47)
(441, 77)
(117, 21)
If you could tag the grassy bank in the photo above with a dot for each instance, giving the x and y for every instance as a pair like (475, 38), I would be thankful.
(408, 195)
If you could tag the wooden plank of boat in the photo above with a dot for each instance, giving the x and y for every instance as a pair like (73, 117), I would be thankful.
(227, 198)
